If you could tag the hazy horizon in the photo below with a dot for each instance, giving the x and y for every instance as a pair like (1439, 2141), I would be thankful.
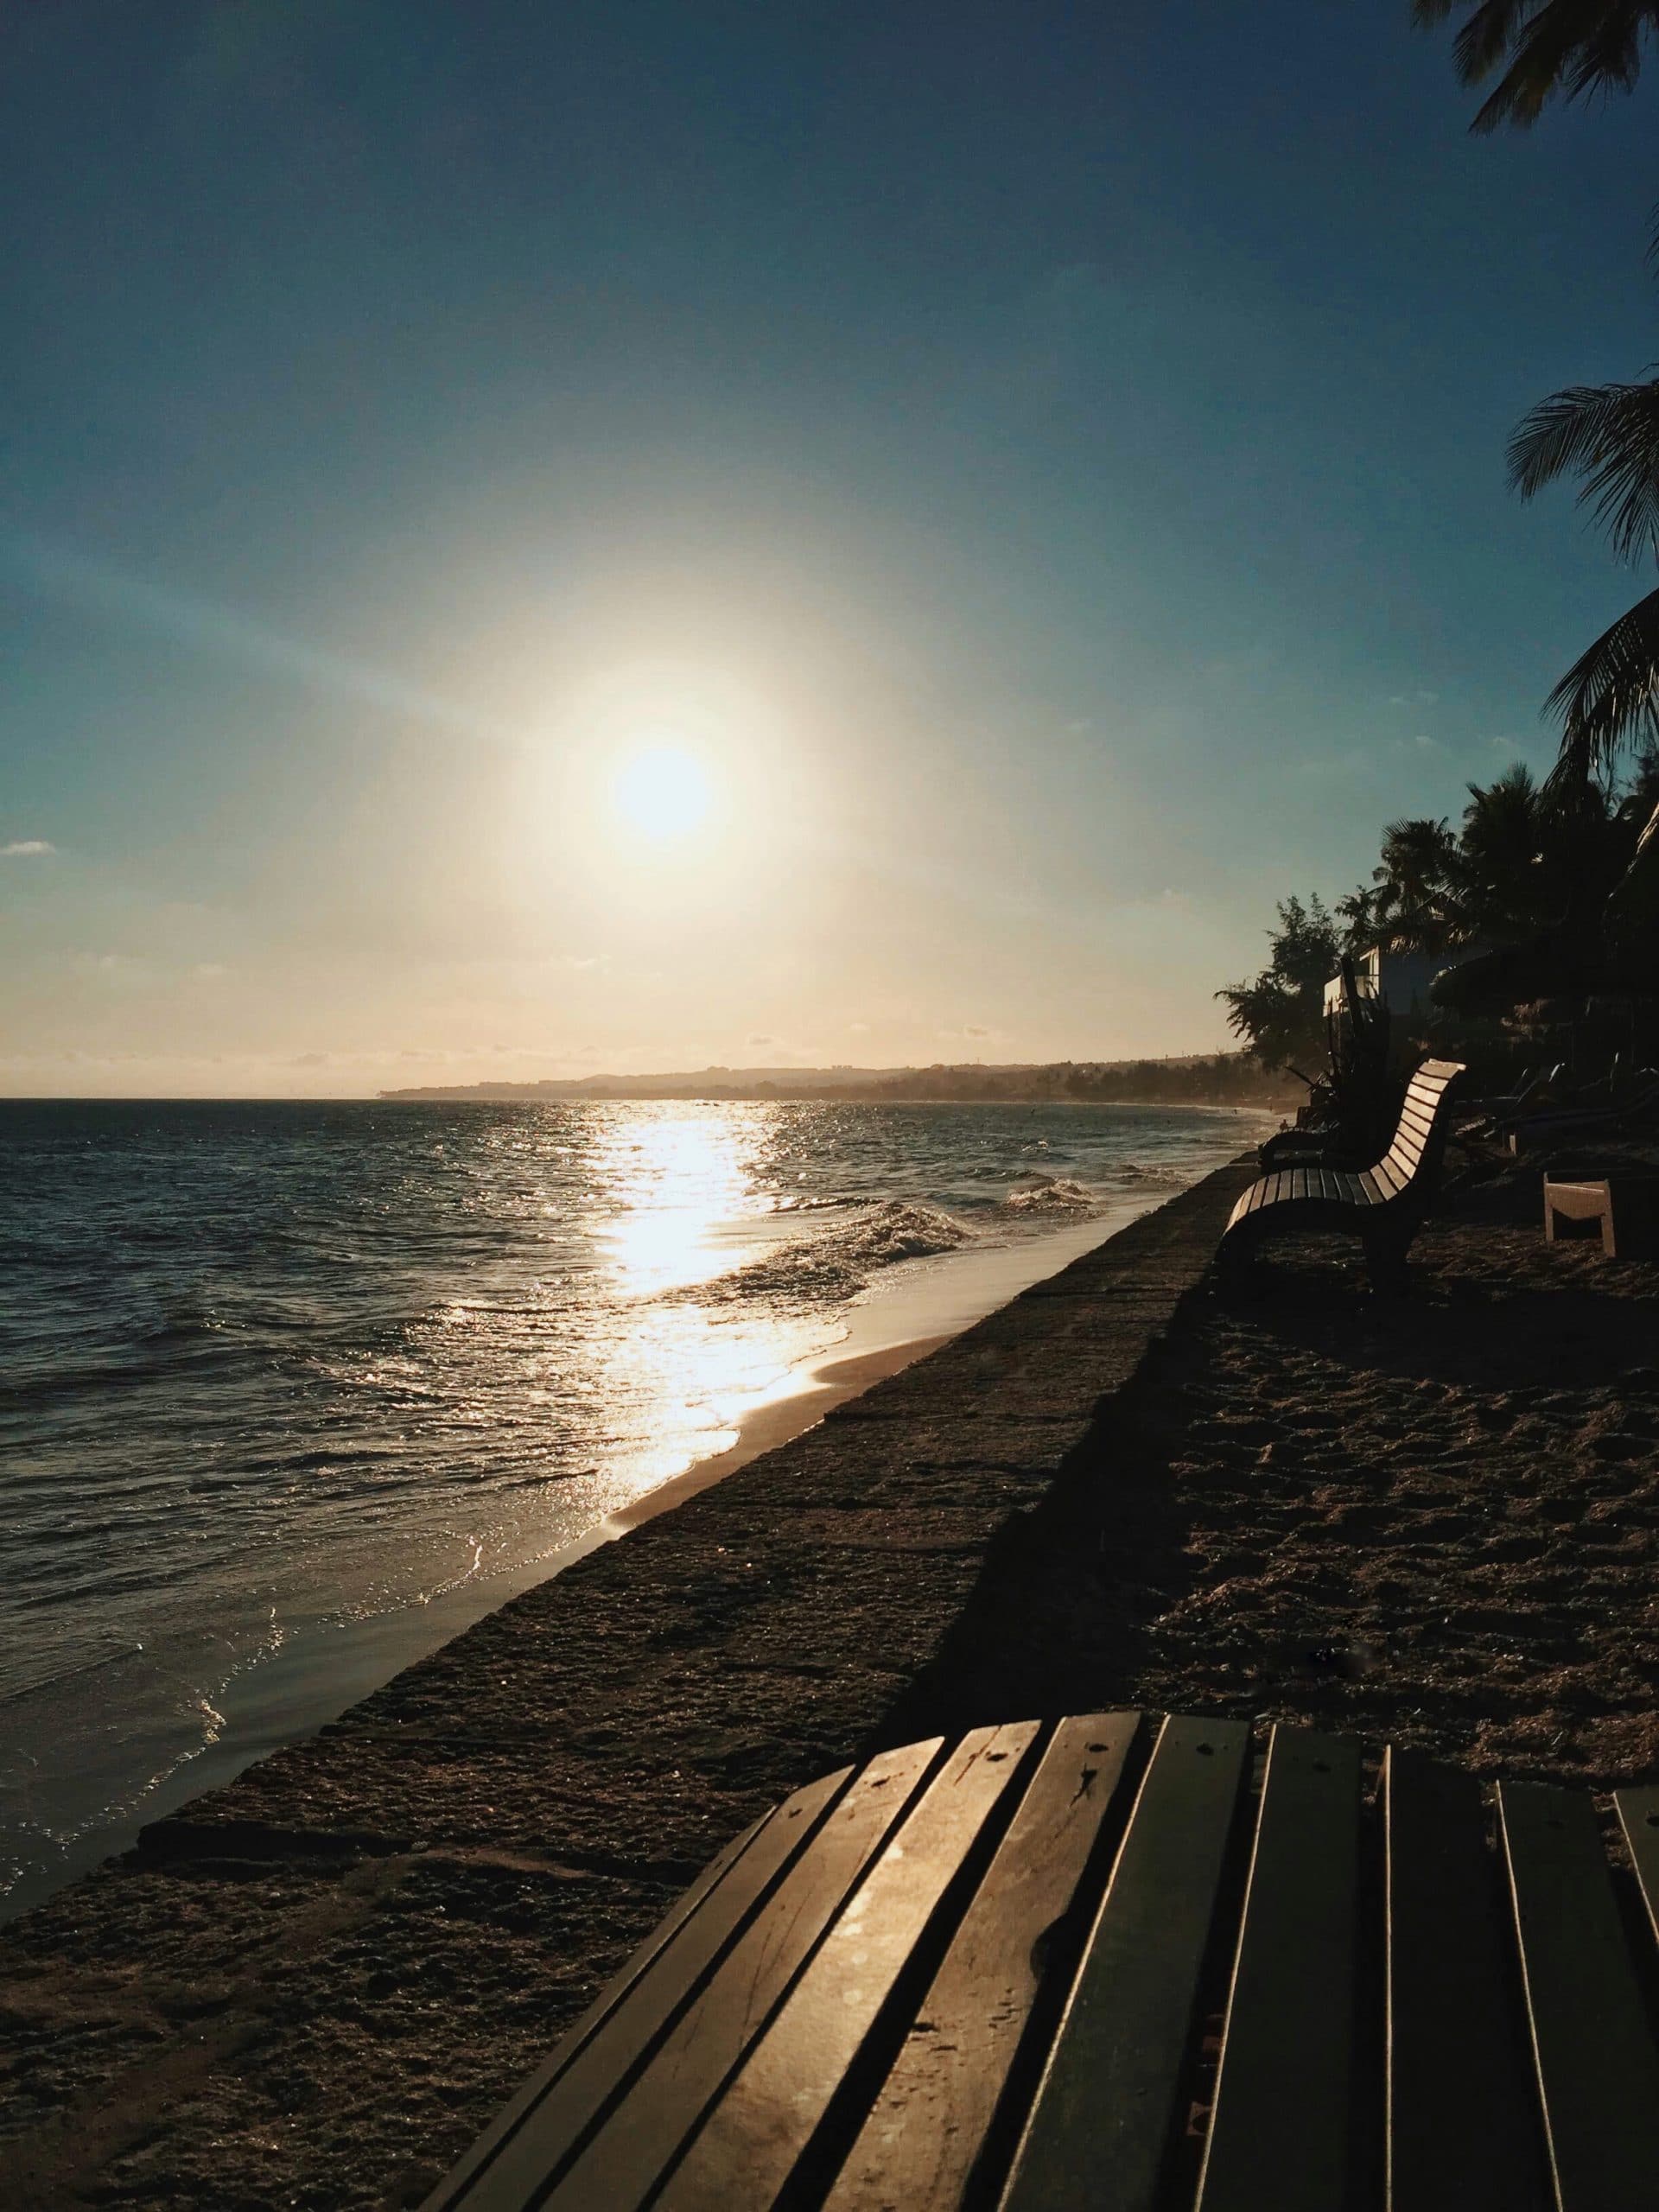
(640, 539)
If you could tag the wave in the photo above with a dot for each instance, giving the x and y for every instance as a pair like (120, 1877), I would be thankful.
(832, 1267)
(1056, 1195)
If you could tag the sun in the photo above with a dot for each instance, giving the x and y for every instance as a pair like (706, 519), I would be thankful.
(662, 791)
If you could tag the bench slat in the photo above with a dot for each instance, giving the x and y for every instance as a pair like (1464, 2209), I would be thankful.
(1299, 1182)
(838, 1849)
(1638, 1815)
(1463, 2123)
(1392, 1181)
(745, 2152)
(1376, 1193)
(1280, 2131)
(920, 2144)
(1598, 2069)
(1107, 2101)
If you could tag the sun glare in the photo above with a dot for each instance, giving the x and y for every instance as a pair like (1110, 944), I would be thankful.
(662, 793)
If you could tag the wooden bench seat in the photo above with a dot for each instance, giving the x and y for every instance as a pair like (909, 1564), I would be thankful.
(1382, 1205)
(1113, 1961)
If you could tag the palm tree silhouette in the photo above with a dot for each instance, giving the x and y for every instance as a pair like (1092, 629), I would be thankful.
(1608, 436)
(1416, 906)
(1546, 49)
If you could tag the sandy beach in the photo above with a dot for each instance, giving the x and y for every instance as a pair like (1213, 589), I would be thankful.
(1435, 1519)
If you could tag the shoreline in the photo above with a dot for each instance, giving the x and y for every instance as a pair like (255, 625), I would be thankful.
(319, 1980)
(324, 1665)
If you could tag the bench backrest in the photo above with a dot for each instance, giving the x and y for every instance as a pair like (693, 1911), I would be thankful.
(1421, 1132)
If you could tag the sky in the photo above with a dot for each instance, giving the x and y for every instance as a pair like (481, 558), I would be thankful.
(543, 539)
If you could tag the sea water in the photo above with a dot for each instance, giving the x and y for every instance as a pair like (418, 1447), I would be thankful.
(290, 1392)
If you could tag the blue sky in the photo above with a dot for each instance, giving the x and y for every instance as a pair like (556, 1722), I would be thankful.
(1043, 464)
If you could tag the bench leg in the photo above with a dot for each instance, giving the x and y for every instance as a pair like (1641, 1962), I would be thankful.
(1385, 1263)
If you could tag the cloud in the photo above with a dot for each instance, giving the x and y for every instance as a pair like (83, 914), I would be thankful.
(973, 1029)
(1415, 699)
(26, 848)
(859, 1028)
(754, 1038)
(1503, 745)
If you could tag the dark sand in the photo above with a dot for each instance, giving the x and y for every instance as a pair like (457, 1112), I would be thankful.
(1436, 1519)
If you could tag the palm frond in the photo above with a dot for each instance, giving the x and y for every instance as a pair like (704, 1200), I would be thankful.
(1546, 49)
(1608, 434)
(1493, 29)
(1610, 695)
(1569, 46)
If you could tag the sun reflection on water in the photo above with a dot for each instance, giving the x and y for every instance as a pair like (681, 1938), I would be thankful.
(666, 1188)
(679, 1200)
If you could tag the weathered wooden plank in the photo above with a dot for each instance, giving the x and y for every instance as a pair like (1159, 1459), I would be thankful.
(1375, 1192)
(1102, 2122)
(1281, 2129)
(818, 1877)
(926, 2128)
(1638, 1815)
(1598, 2068)
(1463, 2132)
(1256, 1193)
(1392, 1180)
(479, 2154)
(751, 2141)
(1299, 1182)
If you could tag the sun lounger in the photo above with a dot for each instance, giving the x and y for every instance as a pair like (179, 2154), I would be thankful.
(1382, 1205)
(1127, 1961)
(1624, 1208)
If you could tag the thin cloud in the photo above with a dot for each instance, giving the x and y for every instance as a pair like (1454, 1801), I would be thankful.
(1415, 699)
(26, 848)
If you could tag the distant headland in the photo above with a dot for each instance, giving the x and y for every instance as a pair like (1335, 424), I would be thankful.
(1199, 1079)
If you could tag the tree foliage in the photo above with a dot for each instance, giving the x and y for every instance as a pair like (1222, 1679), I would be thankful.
(1541, 50)
(1280, 1014)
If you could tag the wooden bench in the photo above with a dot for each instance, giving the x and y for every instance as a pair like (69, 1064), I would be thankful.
(1384, 1205)
(1119, 1962)
(1625, 1209)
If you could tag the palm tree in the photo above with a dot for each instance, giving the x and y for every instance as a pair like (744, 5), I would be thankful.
(1418, 905)
(1357, 913)
(1509, 889)
(1546, 49)
(1608, 436)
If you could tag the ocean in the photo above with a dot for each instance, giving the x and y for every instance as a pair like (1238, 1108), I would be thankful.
(290, 1393)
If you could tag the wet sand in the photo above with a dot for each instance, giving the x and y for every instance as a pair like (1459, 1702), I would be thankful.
(1435, 1519)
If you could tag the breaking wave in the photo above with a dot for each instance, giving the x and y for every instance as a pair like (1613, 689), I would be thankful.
(837, 1265)
(1056, 1195)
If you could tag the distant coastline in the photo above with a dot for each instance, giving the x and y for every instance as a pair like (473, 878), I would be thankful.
(1202, 1079)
